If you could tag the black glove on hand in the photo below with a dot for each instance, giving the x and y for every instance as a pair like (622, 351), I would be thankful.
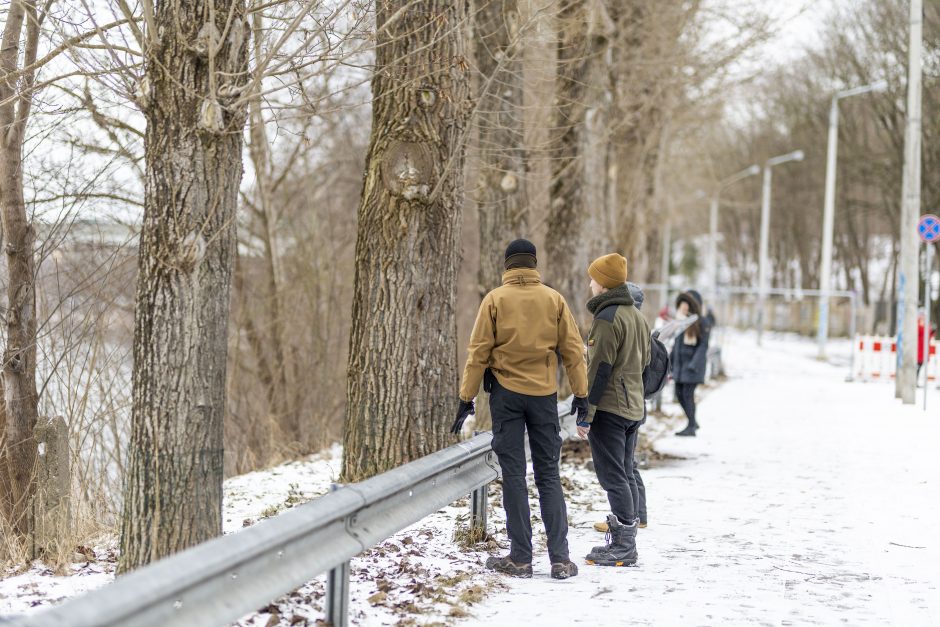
(580, 405)
(464, 409)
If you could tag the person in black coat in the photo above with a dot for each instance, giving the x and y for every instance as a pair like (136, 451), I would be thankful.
(689, 357)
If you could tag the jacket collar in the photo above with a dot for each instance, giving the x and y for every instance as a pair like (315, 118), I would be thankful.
(521, 276)
(619, 295)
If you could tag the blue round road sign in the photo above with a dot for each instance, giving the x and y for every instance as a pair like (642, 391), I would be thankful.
(929, 228)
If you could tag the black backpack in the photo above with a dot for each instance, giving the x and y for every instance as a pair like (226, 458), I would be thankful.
(657, 372)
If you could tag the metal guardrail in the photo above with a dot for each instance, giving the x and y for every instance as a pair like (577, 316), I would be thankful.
(219, 581)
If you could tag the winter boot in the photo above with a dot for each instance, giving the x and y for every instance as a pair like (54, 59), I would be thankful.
(621, 545)
(563, 570)
(689, 431)
(603, 528)
(508, 567)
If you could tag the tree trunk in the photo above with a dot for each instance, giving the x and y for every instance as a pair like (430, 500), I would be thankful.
(402, 371)
(280, 402)
(501, 189)
(20, 398)
(582, 40)
(502, 202)
(645, 30)
(193, 145)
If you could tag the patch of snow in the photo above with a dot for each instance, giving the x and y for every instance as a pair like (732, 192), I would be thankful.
(803, 500)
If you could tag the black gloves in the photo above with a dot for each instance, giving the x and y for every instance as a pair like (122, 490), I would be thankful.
(580, 405)
(464, 409)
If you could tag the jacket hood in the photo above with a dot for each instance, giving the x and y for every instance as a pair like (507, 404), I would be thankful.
(619, 295)
(521, 276)
(637, 293)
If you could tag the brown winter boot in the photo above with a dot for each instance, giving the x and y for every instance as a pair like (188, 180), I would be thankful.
(604, 528)
(564, 570)
(506, 566)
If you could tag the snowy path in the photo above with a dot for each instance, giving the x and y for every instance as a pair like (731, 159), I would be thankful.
(805, 500)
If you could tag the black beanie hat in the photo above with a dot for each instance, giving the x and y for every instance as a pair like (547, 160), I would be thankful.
(520, 254)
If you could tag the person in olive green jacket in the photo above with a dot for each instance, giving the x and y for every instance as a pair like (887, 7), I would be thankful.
(521, 330)
(618, 351)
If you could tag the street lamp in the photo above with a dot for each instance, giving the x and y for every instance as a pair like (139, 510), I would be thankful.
(762, 273)
(825, 267)
(713, 224)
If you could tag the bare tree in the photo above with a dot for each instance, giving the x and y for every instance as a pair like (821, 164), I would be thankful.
(402, 370)
(196, 69)
(584, 31)
(18, 412)
(501, 189)
(502, 202)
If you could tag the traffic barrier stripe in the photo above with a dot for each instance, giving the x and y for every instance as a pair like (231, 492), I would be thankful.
(877, 358)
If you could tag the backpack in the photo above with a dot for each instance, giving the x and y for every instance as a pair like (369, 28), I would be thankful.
(657, 372)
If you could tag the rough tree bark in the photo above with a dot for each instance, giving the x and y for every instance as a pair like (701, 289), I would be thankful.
(402, 371)
(195, 65)
(502, 202)
(501, 189)
(583, 38)
(20, 398)
(644, 30)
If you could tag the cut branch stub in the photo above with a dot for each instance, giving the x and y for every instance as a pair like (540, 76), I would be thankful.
(406, 170)
(427, 96)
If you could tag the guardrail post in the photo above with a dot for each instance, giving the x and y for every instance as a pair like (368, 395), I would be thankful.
(337, 596)
(336, 607)
(478, 506)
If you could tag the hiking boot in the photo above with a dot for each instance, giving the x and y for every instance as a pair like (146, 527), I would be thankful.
(603, 528)
(563, 570)
(506, 566)
(621, 545)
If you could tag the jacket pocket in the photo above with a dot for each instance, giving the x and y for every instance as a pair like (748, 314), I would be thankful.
(626, 395)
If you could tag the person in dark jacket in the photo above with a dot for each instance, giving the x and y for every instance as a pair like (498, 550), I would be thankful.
(689, 357)
(521, 329)
(618, 351)
(637, 487)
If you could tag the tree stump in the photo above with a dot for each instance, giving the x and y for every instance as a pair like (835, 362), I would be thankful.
(51, 506)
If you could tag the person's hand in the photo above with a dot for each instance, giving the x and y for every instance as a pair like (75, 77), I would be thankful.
(583, 431)
(579, 405)
(464, 409)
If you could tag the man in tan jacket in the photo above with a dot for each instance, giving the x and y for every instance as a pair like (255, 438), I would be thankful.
(521, 331)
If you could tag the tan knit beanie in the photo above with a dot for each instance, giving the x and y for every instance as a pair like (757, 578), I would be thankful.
(609, 270)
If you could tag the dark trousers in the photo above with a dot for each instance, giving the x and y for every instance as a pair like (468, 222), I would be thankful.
(685, 393)
(639, 497)
(613, 442)
(513, 415)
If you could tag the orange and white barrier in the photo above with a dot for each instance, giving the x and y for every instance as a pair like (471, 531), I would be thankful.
(877, 358)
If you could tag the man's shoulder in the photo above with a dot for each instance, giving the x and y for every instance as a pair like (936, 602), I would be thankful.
(546, 293)
(633, 317)
(608, 313)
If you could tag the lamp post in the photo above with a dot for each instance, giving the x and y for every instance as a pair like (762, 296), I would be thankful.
(908, 280)
(713, 224)
(763, 278)
(829, 209)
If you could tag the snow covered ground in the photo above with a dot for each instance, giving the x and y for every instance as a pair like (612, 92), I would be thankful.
(805, 500)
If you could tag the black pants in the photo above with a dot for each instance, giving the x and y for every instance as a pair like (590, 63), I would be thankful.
(685, 392)
(639, 496)
(613, 442)
(513, 415)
